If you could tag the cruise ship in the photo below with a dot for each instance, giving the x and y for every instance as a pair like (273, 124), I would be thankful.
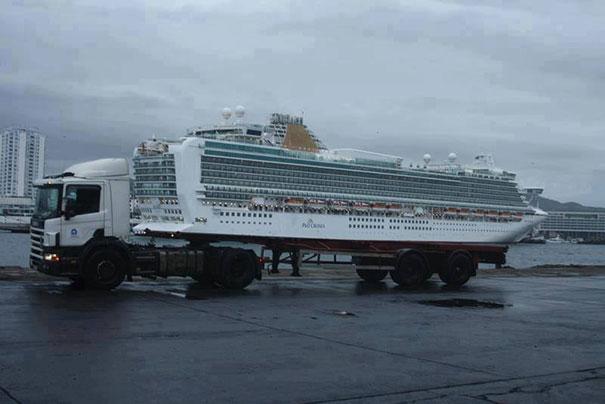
(278, 180)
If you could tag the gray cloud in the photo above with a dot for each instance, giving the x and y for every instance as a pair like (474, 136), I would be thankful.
(523, 80)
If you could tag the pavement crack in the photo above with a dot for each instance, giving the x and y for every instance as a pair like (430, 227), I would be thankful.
(483, 397)
(535, 389)
(9, 395)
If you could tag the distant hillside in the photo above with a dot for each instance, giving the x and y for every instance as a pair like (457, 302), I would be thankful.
(556, 206)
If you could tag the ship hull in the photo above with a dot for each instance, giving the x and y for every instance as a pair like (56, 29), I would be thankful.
(352, 230)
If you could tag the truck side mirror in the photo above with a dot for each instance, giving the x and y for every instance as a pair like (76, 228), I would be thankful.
(69, 211)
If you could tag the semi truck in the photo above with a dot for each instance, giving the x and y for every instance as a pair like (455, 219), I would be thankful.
(81, 230)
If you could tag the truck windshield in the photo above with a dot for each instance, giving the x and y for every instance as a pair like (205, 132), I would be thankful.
(48, 202)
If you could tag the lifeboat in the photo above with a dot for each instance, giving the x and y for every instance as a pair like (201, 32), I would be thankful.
(318, 203)
(464, 212)
(394, 206)
(379, 206)
(451, 212)
(361, 205)
(295, 201)
(492, 214)
(339, 205)
(505, 215)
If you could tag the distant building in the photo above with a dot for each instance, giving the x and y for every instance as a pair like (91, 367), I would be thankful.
(21, 161)
(589, 226)
(569, 220)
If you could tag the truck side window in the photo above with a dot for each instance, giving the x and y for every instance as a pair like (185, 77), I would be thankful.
(82, 199)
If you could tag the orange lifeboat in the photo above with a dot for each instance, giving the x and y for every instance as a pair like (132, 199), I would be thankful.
(379, 206)
(295, 201)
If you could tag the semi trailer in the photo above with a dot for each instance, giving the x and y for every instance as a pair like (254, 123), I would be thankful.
(81, 230)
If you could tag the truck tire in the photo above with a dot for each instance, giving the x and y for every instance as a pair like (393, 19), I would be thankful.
(104, 269)
(203, 278)
(458, 269)
(371, 276)
(237, 268)
(410, 269)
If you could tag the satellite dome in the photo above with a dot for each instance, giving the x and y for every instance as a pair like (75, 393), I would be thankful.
(226, 113)
(427, 158)
(452, 157)
(240, 111)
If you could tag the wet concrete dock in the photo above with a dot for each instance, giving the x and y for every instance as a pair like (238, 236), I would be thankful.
(500, 339)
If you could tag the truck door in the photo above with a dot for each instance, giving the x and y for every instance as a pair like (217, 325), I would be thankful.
(83, 214)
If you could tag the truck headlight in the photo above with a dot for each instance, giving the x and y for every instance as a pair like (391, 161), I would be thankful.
(52, 257)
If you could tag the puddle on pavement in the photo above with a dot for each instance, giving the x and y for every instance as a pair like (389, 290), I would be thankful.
(464, 303)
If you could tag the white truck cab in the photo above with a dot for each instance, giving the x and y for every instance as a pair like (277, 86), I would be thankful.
(88, 199)
(81, 226)
(87, 202)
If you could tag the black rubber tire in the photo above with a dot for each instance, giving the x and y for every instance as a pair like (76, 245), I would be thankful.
(203, 278)
(410, 269)
(458, 269)
(237, 268)
(372, 276)
(104, 269)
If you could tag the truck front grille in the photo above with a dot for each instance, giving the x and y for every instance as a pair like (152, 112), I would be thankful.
(37, 238)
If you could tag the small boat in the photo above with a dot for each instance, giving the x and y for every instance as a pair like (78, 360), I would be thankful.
(557, 240)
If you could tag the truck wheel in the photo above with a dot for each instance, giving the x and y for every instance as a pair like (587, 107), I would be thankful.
(458, 269)
(104, 270)
(371, 275)
(410, 269)
(237, 269)
(204, 278)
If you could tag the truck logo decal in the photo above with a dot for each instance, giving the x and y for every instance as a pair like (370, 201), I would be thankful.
(310, 224)
(74, 232)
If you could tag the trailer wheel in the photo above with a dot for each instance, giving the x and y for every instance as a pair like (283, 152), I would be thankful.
(458, 269)
(203, 278)
(237, 269)
(410, 269)
(104, 269)
(372, 276)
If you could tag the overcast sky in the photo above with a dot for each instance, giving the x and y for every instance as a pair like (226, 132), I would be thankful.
(524, 80)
